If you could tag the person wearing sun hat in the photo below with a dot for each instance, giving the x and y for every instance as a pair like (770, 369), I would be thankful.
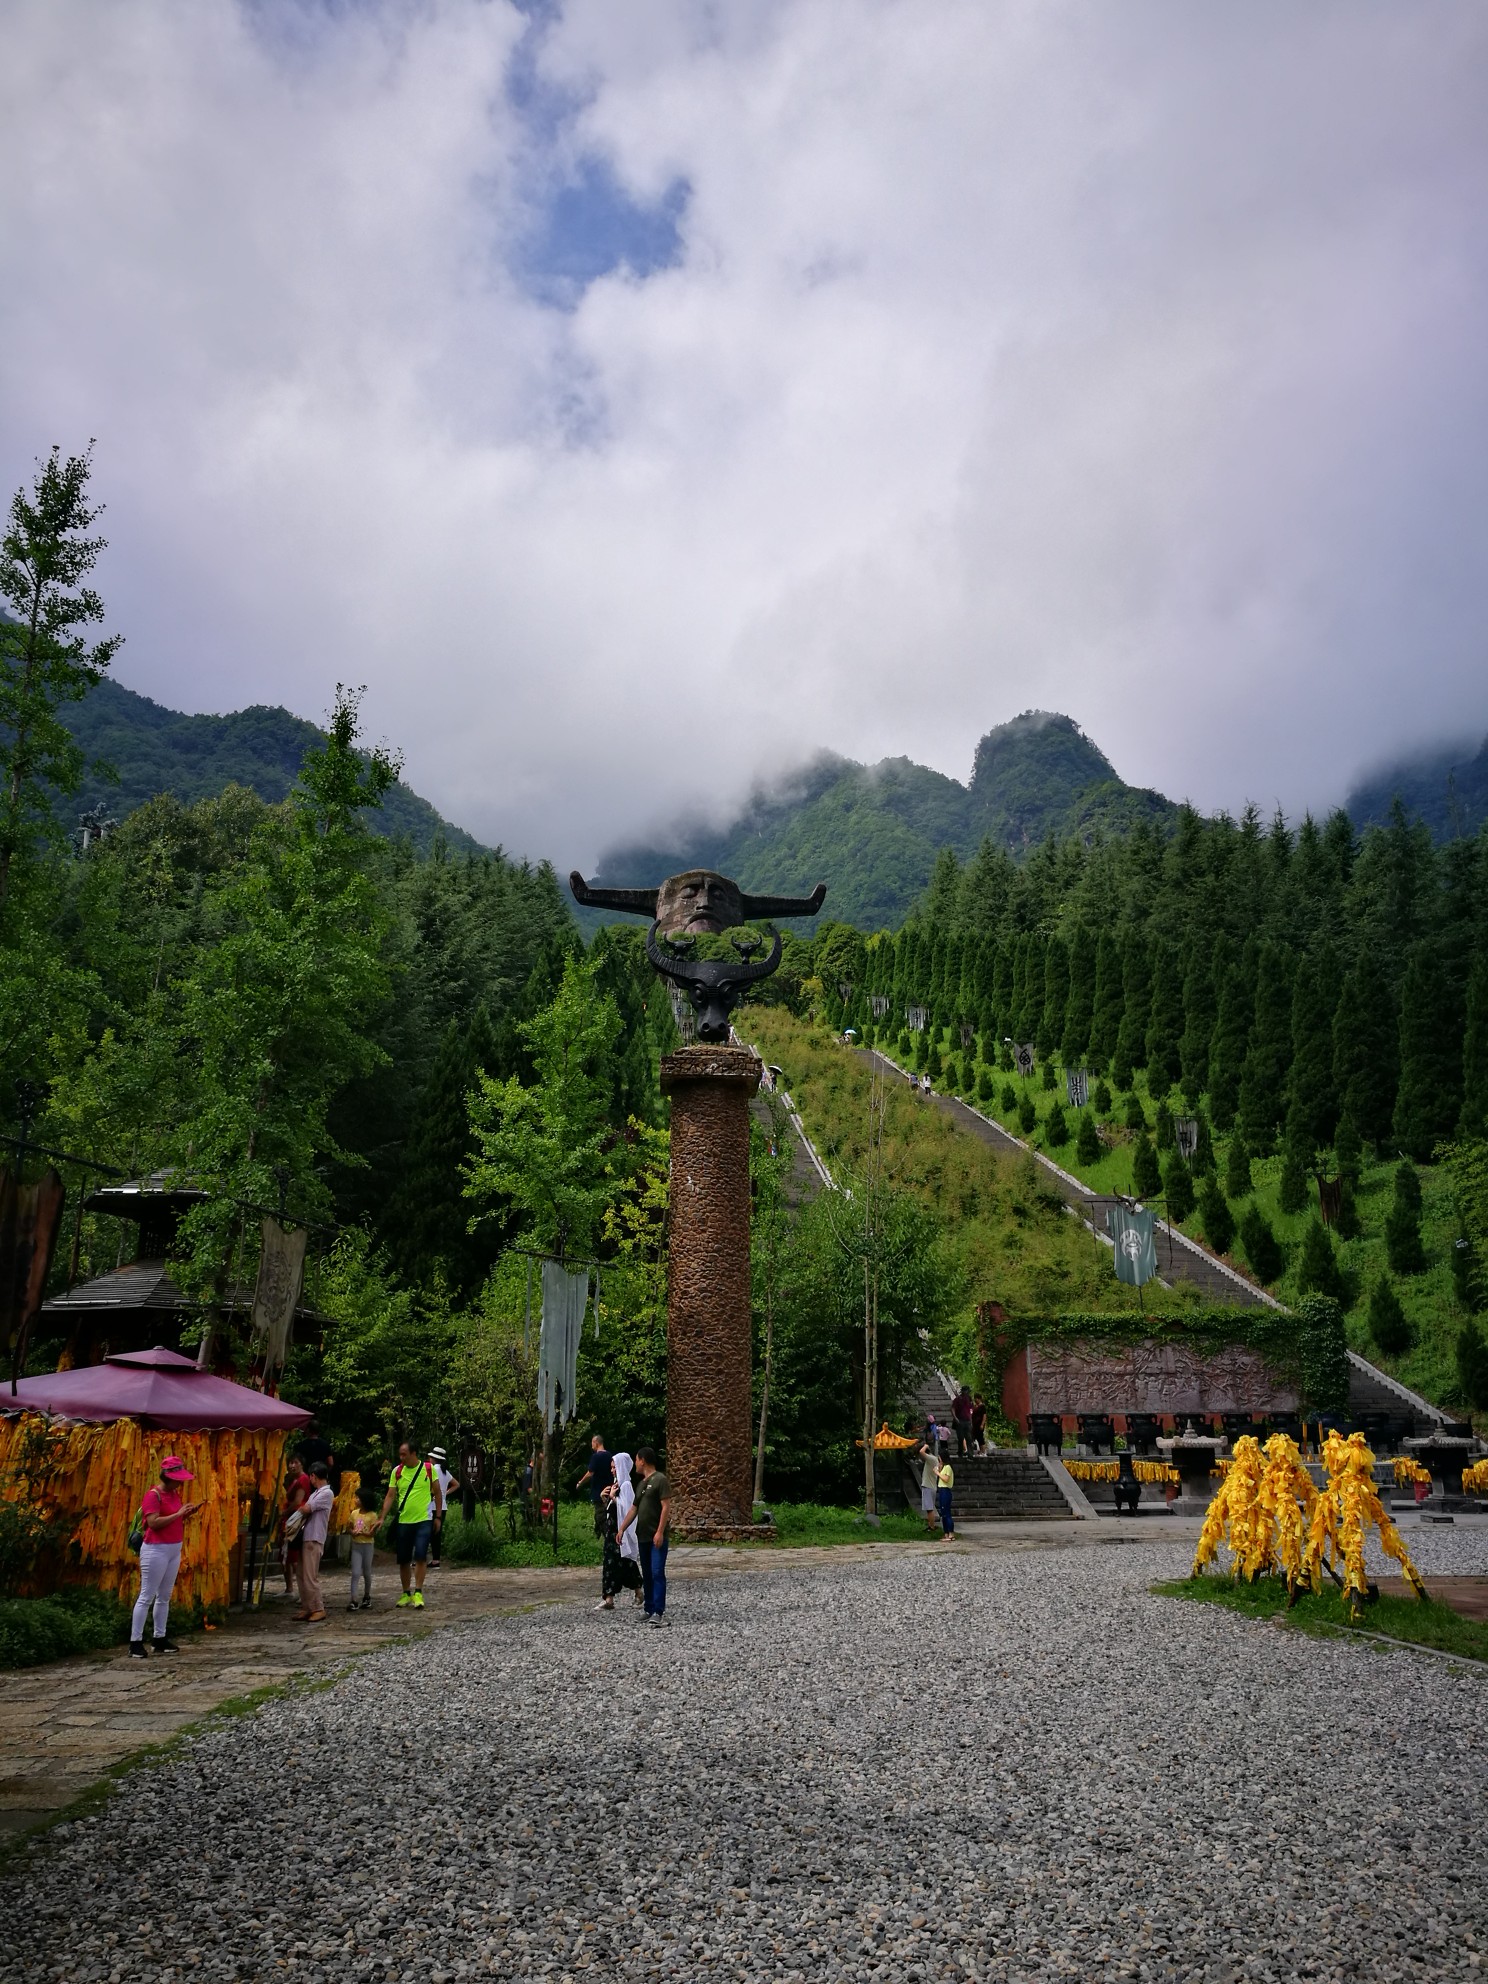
(439, 1460)
(163, 1516)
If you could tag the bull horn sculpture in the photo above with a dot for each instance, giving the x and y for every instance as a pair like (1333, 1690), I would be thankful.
(714, 986)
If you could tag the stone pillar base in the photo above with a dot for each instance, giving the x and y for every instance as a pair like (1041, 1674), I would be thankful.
(710, 1444)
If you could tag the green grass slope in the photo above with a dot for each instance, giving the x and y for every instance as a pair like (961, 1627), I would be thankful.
(154, 749)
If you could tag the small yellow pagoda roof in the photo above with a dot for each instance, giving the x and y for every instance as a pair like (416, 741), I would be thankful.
(886, 1442)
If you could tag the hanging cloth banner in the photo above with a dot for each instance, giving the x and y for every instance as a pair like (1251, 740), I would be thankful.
(1132, 1229)
(1023, 1057)
(565, 1297)
(879, 1004)
(1330, 1198)
(1186, 1130)
(1077, 1087)
(30, 1220)
(281, 1276)
(916, 1016)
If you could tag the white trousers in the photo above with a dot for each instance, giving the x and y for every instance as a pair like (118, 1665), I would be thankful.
(159, 1563)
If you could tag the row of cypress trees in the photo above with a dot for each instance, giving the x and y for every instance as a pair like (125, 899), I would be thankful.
(1316, 988)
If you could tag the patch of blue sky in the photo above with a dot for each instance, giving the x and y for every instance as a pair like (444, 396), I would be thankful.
(586, 225)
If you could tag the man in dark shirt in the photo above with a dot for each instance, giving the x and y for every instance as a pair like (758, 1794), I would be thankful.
(961, 1420)
(600, 1474)
(653, 1520)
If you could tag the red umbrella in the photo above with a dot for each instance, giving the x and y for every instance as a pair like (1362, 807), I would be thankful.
(158, 1388)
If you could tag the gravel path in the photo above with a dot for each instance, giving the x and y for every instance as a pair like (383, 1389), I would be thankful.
(977, 1765)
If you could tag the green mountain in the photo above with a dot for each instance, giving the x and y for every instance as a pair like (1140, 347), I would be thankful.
(154, 750)
(1447, 788)
(872, 832)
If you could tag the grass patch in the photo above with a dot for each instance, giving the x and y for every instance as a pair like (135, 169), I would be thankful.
(800, 1523)
(76, 1619)
(488, 1539)
(1432, 1624)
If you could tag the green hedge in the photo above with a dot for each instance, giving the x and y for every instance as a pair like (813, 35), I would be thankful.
(74, 1620)
(1305, 1345)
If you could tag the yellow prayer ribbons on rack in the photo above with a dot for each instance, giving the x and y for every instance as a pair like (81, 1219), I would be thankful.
(1154, 1472)
(1475, 1478)
(92, 1479)
(345, 1505)
(1408, 1472)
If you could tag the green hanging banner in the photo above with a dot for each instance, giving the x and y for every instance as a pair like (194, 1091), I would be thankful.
(1133, 1230)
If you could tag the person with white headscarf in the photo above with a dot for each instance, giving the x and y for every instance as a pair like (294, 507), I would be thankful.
(622, 1547)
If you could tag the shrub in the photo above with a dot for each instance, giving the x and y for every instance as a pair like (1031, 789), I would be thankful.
(1317, 1271)
(1005, 1058)
(1323, 1346)
(1146, 1176)
(1238, 1181)
(1088, 1144)
(1047, 1079)
(1403, 1248)
(1408, 1185)
(24, 1535)
(1388, 1323)
(1348, 1150)
(1472, 1365)
(1262, 1248)
(984, 1086)
(1136, 1118)
(1056, 1130)
(73, 1620)
(1008, 1098)
(1027, 1116)
(1179, 1187)
(1218, 1220)
(1163, 1133)
(903, 1045)
(1102, 1099)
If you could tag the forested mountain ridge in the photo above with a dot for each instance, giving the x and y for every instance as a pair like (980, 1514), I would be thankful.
(1447, 788)
(873, 832)
(155, 750)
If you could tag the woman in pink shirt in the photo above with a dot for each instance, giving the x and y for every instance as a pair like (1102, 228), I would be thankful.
(164, 1515)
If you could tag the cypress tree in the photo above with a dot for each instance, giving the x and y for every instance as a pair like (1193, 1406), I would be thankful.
(1347, 1225)
(1164, 1037)
(1403, 1246)
(1429, 1098)
(1079, 1011)
(1101, 1100)
(1178, 1188)
(1164, 1135)
(1472, 1365)
(1033, 989)
(1146, 1173)
(1136, 1009)
(1200, 1013)
(1004, 966)
(1473, 1122)
(1027, 1115)
(1318, 1272)
(1234, 984)
(984, 1086)
(1136, 1118)
(1047, 1077)
(1018, 989)
(1088, 1146)
(1388, 1323)
(1312, 1107)
(1105, 1021)
(1056, 1130)
(1218, 1220)
(1297, 1155)
(1466, 1281)
(1262, 1248)
(1238, 1182)
(1268, 1057)
(430, 1223)
(1203, 1157)
(932, 1059)
(1008, 1099)
(1366, 1050)
(1056, 998)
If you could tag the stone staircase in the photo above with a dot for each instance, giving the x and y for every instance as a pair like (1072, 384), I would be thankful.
(1010, 1485)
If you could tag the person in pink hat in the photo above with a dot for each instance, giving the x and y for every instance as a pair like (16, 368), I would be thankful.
(163, 1514)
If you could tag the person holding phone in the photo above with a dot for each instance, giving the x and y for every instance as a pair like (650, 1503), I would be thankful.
(163, 1514)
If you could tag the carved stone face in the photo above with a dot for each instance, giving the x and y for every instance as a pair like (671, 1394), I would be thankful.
(698, 904)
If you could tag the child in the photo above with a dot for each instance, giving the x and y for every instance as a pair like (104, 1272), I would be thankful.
(945, 1481)
(363, 1532)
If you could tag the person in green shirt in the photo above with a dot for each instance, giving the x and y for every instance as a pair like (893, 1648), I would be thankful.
(652, 1518)
(415, 1495)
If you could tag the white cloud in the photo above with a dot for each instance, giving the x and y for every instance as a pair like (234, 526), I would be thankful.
(1126, 361)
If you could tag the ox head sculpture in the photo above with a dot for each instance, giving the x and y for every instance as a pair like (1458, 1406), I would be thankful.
(713, 986)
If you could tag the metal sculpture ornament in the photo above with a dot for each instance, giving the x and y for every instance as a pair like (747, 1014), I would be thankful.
(701, 903)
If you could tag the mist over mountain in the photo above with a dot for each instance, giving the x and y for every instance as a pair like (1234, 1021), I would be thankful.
(872, 832)
(1447, 788)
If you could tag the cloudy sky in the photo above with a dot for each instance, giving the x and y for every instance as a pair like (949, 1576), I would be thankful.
(638, 397)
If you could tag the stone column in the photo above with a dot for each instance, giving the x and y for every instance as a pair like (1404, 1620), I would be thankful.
(710, 1444)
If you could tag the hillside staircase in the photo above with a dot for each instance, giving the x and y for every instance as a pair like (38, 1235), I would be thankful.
(1010, 1485)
